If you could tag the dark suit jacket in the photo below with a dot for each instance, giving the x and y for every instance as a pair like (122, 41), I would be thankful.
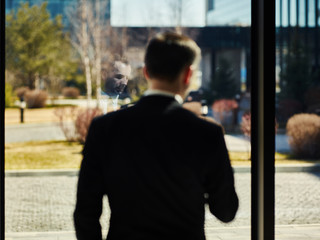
(158, 164)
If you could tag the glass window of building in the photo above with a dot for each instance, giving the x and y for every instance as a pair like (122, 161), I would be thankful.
(58, 78)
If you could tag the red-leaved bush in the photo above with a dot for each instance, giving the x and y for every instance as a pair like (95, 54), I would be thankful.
(303, 131)
(67, 117)
(224, 105)
(223, 111)
(83, 121)
(75, 122)
(36, 98)
(246, 124)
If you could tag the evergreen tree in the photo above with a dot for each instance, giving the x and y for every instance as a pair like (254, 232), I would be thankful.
(36, 46)
(296, 76)
(223, 83)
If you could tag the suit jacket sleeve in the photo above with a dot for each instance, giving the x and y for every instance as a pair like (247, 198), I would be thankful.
(89, 193)
(222, 198)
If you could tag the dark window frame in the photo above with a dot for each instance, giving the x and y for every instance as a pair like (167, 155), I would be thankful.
(263, 120)
(2, 107)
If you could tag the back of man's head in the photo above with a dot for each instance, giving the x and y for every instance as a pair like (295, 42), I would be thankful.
(168, 54)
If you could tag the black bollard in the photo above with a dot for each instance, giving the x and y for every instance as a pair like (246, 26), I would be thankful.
(21, 115)
(22, 107)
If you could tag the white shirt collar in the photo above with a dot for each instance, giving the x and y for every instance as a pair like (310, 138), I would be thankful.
(177, 97)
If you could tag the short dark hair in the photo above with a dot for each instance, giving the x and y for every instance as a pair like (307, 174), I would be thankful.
(168, 53)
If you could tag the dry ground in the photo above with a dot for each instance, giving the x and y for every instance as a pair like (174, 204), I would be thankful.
(64, 155)
(39, 115)
(43, 155)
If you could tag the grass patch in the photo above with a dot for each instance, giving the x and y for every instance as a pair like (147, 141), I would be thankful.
(43, 155)
(242, 158)
(64, 155)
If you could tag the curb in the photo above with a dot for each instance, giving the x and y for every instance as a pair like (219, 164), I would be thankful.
(301, 168)
(42, 173)
(293, 168)
(309, 168)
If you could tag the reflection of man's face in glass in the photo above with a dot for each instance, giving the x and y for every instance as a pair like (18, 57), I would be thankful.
(119, 78)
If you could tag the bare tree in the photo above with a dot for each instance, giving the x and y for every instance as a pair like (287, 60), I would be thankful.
(78, 18)
(96, 41)
(174, 10)
(96, 26)
(176, 7)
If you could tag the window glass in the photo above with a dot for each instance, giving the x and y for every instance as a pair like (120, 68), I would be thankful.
(49, 64)
(297, 115)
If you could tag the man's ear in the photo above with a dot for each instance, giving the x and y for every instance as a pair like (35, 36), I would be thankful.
(145, 73)
(187, 75)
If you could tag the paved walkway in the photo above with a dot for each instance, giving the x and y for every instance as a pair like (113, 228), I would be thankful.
(33, 132)
(282, 232)
(36, 205)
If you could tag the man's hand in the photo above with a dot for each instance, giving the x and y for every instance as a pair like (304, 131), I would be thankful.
(194, 107)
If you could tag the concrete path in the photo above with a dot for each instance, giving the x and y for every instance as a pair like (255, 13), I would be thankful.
(33, 132)
(36, 205)
(239, 143)
(52, 131)
(282, 232)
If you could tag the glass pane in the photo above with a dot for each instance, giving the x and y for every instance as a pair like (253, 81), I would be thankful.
(297, 115)
(55, 48)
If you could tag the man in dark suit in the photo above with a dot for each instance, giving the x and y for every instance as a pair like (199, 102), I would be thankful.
(156, 178)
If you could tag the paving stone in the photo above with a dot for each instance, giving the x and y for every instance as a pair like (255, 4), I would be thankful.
(41, 204)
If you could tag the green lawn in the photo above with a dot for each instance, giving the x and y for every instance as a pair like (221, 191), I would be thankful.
(64, 155)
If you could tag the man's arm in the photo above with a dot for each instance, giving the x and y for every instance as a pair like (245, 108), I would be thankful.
(89, 194)
(222, 199)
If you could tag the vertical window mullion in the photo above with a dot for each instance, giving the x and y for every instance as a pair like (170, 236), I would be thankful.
(263, 119)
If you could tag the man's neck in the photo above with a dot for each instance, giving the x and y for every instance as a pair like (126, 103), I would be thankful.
(161, 92)
(166, 87)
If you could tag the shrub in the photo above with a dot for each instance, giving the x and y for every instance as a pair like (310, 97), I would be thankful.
(223, 111)
(83, 122)
(8, 95)
(75, 122)
(67, 117)
(303, 131)
(224, 105)
(21, 91)
(36, 98)
(70, 92)
(246, 125)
